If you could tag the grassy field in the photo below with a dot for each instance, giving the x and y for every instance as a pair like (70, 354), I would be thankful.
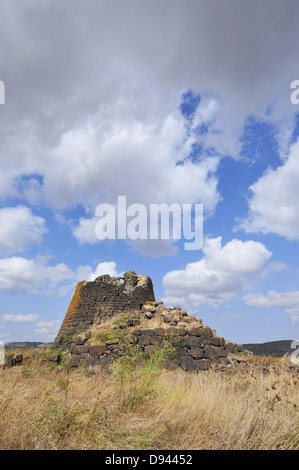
(43, 406)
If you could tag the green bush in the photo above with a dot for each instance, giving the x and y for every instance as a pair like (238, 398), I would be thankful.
(136, 371)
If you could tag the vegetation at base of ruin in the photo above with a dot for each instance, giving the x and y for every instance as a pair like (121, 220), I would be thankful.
(110, 335)
(52, 407)
(125, 318)
(136, 371)
(64, 340)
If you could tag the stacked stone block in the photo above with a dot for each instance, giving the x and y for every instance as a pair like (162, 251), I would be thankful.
(195, 348)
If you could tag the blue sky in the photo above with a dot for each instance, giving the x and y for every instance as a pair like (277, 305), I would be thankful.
(124, 99)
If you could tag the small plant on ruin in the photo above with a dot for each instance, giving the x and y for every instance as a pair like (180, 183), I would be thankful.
(136, 370)
(105, 336)
(125, 319)
(63, 340)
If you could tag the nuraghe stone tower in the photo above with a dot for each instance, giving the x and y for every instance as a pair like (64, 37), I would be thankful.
(105, 297)
(144, 321)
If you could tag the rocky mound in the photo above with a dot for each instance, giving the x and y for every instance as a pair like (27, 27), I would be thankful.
(194, 346)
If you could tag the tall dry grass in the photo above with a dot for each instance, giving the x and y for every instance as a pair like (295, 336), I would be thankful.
(44, 407)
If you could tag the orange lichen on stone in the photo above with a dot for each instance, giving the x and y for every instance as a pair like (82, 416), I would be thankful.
(76, 299)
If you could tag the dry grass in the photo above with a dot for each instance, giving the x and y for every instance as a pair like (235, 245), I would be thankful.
(46, 407)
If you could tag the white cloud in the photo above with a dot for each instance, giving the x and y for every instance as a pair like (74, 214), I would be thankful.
(287, 301)
(37, 277)
(218, 275)
(19, 228)
(32, 276)
(12, 318)
(84, 232)
(121, 160)
(47, 330)
(93, 128)
(107, 267)
(274, 201)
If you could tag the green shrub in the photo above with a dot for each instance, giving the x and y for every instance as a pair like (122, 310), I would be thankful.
(136, 371)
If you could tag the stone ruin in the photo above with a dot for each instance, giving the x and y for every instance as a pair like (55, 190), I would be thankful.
(147, 323)
(105, 297)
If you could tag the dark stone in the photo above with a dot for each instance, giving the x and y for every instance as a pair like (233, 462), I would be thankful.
(112, 342)
(147, 331)
(144, 340)
(159, 331)
(15, 360)
(86, 360)
(150, 349)
(182, 331)
(171, 331)
(196, 353)
(187, 363)
(105, 360)
(171, 364)
(205, 330)
(156, 340)
(192, 341)
(212, 352)
(195, 331)
(79, 340)
(74, 361)
(19, 359)
(137, 332)
(177, 341)
(180, 351)
(134, 322)
(203, 364)
(79, 349)
(55, 358)
(97, 350)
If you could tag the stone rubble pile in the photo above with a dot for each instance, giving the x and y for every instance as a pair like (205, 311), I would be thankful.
(195, 346)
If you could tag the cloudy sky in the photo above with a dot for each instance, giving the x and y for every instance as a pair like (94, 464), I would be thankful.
(161, 102)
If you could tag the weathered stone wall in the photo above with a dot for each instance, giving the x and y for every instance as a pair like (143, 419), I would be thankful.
(105, 297)
(195, 348)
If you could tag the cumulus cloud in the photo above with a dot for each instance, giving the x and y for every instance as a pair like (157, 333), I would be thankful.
(84, 231)
(47, 330)
(32, 276)
(38, 277)
(287, 301)
(106, 164)
(19, 228)
(15, 318)
(106, 267)
(273, 203)
(223, 271)
(76, 121)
